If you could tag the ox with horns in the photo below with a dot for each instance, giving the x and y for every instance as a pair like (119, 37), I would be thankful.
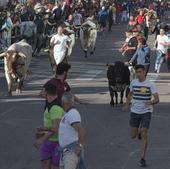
(118, 76)
(17, 59)
(88, 36)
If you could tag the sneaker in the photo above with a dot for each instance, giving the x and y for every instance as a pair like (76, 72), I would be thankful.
(142, 163)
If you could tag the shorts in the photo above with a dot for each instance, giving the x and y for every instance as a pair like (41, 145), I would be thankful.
(140, 120)
(47, 151)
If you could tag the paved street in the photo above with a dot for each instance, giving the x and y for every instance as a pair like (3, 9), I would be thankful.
(108, 144)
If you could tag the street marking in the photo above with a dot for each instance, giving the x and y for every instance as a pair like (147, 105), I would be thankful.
(131, 154)
(89, 75)
(7, 111)
(21, 100)
(161, 117)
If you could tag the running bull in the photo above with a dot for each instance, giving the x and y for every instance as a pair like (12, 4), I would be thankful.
(17, 59)
(88, 36)
(118, 76)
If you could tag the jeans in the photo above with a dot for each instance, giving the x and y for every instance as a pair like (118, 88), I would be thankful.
(159, 60)
(69, 159)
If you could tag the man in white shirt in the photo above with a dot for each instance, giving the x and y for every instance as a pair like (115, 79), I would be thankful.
(60, 44)
(162, 42)
(71, 134)
(143, 95)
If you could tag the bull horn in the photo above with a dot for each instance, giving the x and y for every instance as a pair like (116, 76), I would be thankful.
(2, 55)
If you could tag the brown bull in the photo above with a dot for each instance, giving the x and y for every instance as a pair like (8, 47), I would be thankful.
(16, 62)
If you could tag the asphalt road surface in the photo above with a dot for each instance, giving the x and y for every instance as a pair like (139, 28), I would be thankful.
(108, 144)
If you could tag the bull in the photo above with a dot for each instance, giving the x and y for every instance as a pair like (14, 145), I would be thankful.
(118, 76)
(88, 36)
(17, 59)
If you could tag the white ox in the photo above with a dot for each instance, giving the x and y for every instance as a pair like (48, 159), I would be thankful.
(88, 36)
(17, 59)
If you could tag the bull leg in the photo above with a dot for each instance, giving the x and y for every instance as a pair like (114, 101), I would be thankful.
(116, 95)
(121, 97)
(127, 91)
(85, 53)
(9, 88)
(9, 82)
(112, 97)
(92, 51)
(19, 86)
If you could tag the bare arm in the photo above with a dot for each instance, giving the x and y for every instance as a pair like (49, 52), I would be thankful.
(128, 100)
(49, 133)
(81, 132)
(155, 100)
(155, 43)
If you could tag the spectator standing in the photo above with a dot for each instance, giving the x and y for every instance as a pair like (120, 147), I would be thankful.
(124, 17)
(118, 13)
(58, 14)
(40, 30)
(6, 30)
(28, 30)
(71, 135)
(47, 136)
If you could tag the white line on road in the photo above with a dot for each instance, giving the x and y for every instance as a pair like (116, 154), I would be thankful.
(131, 154)
(89, 75)
(7, 111)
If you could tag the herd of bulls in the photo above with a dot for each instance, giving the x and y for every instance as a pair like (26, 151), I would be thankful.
(18, 56)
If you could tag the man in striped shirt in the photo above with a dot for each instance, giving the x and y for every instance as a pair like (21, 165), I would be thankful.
(143, 95)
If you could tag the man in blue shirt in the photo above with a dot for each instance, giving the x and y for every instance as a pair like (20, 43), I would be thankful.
(142, 55)
(102, 18)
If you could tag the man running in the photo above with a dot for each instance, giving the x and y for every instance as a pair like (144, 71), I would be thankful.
(60, 44)
(161, 45)
(144, 95)
(60, 82)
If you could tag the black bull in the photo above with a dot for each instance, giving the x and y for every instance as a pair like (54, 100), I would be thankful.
(119, 79)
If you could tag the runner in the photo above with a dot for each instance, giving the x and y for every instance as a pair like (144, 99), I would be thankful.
(60, 82)
(161, 45)
(60, 44)
(143, 95)
(47, 136)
